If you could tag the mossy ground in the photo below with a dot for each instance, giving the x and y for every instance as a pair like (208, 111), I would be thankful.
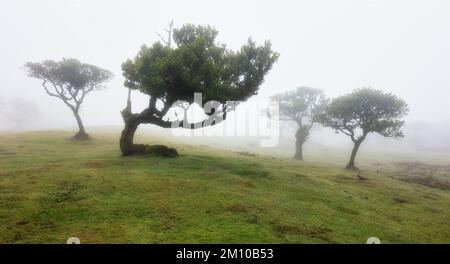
(52, 188)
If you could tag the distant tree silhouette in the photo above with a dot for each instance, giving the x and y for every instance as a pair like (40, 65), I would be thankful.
(362, 112)
(70, 81)
(301, 106)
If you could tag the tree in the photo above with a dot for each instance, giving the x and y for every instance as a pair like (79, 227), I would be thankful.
(301, 106)
(70, 81)
(365, 111)
(193, 62)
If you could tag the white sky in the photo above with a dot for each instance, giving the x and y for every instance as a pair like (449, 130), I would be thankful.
(337, 45)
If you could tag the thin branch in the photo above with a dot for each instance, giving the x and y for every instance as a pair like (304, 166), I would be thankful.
(168, 41)
(44, 84)
(349, 133)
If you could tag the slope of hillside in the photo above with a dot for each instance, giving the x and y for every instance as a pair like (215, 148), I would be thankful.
(52, 188)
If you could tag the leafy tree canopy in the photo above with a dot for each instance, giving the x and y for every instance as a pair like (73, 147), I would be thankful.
(366, 110)
(198, 64)
(302, 105)
(68, 79)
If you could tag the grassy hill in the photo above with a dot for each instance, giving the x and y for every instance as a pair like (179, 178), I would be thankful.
(52, 188)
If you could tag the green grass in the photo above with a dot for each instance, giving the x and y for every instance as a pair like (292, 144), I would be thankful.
(52, 188)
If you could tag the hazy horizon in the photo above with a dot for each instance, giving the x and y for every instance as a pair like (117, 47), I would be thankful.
(398, 46)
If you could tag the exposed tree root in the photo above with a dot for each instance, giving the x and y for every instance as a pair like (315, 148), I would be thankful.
(157, 150)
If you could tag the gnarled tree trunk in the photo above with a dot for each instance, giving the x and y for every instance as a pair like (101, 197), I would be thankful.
(127, 146)
(81, 134)
(300, 138)
(126, 139)
(298, 151)
(351, 163)
(299, 141)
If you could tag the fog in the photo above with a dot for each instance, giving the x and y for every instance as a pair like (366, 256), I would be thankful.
(399, 46)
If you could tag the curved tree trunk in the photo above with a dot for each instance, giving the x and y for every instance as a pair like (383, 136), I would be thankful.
(351, 163)
(126, 139)
(81, 134)
(299, 147)
(300, 138)
(298, 152)
(127, 145)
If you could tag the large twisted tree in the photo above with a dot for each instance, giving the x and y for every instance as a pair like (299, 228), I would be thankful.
(301, 106)
(70, 81)
(365, 111)
(193, 62)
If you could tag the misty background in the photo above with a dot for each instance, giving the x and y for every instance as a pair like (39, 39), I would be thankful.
(399, 46)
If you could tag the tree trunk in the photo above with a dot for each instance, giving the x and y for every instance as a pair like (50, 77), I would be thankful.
(126, 139)
(81, 135)
(351, 163)
(128, 147)
(299, 148)
(300, 138)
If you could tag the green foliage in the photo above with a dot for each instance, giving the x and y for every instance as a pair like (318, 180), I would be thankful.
(303, 103)
(70, 81)
(366, 110)
(69, 74)
(303, 107)
(197, 64)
